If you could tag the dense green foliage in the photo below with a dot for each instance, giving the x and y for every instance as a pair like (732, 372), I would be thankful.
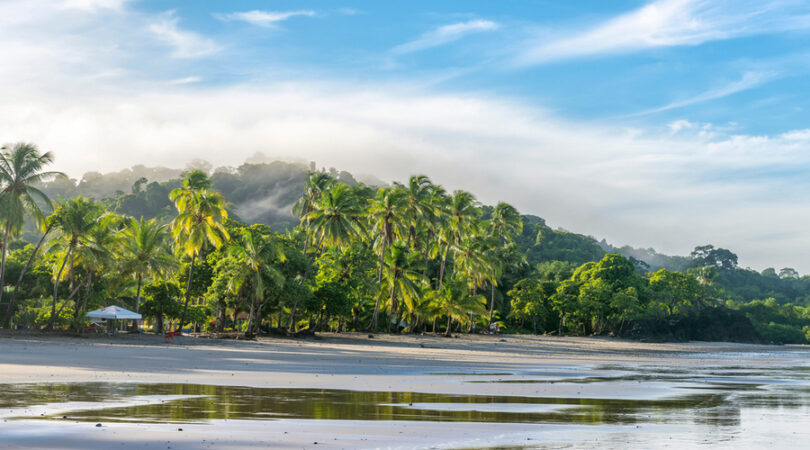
(225, 252)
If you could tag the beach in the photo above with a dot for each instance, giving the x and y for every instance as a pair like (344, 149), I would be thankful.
(519, 366)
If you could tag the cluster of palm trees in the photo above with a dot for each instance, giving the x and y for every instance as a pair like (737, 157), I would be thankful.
(435, 252)
(85, 243)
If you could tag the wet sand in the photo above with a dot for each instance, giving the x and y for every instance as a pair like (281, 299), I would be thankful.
(491, 365)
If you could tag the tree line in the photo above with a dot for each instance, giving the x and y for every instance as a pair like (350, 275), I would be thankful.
(402, 258)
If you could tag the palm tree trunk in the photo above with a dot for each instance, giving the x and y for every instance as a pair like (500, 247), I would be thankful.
(52, 325)
(138, 295)
(393, 305)
(188, 292)
(373, 325)
(291, 322)
(249, 327)
(87, 291)
(449, 331)
(441, 268)
(491, 305)
(67, 300)
(10, 309)
(3, 263)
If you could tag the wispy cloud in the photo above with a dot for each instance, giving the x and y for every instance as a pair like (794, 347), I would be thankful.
(667, 23)
(749, 80)
(185, 44)
(349, 11)
(186, 80)
(445, 34)
(263, 18)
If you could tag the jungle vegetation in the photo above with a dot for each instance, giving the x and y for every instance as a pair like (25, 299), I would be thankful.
(286, 248)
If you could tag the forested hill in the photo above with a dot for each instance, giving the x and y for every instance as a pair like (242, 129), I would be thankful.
(265, 192)
(256, 192)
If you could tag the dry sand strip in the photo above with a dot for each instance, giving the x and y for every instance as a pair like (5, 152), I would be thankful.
(354, 361)
(428, 364)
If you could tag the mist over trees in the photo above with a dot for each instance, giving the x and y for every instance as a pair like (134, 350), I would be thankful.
(284, 247)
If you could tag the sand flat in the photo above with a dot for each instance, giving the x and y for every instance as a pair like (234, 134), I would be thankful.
(471, 365)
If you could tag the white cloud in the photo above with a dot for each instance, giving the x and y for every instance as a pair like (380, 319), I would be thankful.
(263, 18)
(185, 44)
(646, 189)
(667, 23)
(446, 34)
(93, 5)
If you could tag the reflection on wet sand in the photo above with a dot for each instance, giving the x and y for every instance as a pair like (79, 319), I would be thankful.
(713, 396)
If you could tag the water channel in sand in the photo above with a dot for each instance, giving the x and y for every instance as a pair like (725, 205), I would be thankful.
(720, 403)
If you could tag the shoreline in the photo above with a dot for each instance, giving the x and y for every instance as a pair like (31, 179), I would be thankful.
(551, 366)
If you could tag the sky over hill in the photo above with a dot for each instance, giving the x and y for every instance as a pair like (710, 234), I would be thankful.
(667, 124)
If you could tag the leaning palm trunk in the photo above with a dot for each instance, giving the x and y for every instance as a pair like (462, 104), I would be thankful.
(138, 295)
(10, 309)
(188, 291)
(52, 325)
(449, 331)
(373, 325)
(3, 262)
(67, 300)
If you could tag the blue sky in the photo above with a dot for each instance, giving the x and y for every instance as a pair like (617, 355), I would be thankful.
(735, 64)
(664, 124)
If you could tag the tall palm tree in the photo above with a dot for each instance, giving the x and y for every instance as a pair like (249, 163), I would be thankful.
(317, 183)
(49, 225)
(21, 167)
(145, 251)
(386, 216)
(334, 221)
(256, 252)
(74, 219)
(470, 260)
(97, 252)
(505, 224)
(418, 209)
(401, 280)
(462, 213)
(200, 217)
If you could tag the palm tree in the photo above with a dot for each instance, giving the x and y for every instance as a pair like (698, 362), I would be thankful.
(74, 219)
(506, 222)
(200, 216)
(256, 252)
(401, 280)
(21, 167)
(97, 252)
(418, 210)
(317, 183)
(453, 299)
(334, 220)
(386, 219)
(470, 260)
(145, 251)
(49, 225)
(461, 211)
